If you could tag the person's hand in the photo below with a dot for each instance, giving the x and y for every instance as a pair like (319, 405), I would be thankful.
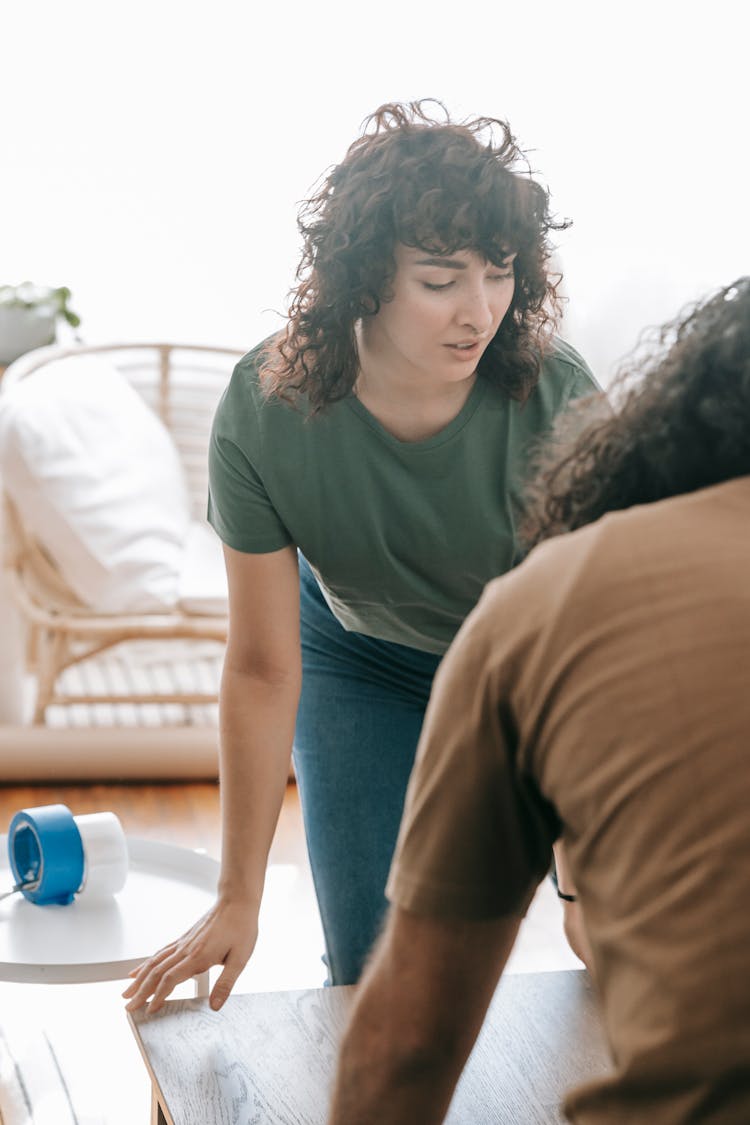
(226, 936)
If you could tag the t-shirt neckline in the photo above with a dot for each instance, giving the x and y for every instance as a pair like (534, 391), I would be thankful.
(445, 434)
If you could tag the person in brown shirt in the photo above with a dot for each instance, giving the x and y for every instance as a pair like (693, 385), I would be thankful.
(597, 696)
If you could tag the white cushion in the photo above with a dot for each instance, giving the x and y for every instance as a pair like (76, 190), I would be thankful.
(203, 581)
(98, 481)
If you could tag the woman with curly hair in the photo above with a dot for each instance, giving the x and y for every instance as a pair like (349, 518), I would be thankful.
(364, 470)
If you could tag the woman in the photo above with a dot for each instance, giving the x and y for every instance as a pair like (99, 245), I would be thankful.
(364, 469)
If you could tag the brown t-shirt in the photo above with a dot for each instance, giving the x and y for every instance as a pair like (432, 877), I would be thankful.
(601, 692)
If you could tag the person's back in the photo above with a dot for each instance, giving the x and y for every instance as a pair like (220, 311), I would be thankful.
(605, 696)
(634, 707)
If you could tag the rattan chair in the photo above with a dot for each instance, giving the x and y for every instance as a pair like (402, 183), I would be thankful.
(182, 383)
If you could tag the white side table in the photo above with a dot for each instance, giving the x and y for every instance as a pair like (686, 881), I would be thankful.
(166, 891)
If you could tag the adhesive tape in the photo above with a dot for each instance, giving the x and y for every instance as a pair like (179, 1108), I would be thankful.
(46, 852)
(55, 856)
(105, 851)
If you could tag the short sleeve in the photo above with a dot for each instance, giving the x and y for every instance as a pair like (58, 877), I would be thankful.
(579, 378)
(476, 837)
(239, 508)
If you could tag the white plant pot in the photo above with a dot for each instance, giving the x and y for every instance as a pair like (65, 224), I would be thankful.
(22, 330)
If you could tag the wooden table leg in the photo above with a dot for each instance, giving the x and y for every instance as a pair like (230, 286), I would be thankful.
(157, 1113)
(201, 984)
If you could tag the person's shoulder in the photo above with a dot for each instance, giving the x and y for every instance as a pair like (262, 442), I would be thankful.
(245, 392)
(561, 363)
(656, 522)
(571, 556)
(240, 410)
(564, 376)
(595, 553)
(601, 564)
(247, 370)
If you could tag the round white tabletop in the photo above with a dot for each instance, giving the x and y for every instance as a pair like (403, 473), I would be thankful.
(166, 891)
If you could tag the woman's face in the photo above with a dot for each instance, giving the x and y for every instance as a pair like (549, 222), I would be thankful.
(444, 312)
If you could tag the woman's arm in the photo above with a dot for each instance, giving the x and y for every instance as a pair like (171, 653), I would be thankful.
(257, 707)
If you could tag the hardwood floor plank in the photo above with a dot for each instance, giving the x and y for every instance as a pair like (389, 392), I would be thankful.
(185, 813)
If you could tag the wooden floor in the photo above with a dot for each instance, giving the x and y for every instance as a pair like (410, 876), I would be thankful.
(185, 814)
(87, 1023)
(182, 813)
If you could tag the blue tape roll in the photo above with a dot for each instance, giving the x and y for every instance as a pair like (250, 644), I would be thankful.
(46, 850)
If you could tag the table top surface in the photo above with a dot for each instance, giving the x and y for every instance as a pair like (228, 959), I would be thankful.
(166, 890)
(271, 1057)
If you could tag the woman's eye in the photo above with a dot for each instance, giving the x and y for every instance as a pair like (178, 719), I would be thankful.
(501, 276)
(437, 288)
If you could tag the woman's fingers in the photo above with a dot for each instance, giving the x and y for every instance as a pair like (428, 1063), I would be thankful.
(140, 973)
(233, 966)
(172, 975)
(154, 975)
(225, 936)
(152, 968)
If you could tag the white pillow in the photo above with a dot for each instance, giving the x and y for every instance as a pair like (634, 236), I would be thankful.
(98, 481)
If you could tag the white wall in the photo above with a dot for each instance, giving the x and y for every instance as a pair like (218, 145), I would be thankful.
(152, 153)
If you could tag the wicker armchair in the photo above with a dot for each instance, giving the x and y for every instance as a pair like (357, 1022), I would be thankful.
(182, 384)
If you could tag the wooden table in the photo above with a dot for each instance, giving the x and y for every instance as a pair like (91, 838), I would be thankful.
(269, 1058)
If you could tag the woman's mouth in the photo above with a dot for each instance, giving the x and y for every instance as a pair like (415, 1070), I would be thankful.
(468, 349)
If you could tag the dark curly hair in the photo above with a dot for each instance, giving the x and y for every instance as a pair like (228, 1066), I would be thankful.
(426, 182)
(678, 420)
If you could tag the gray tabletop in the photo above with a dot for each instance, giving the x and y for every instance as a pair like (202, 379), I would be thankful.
(270, 1057)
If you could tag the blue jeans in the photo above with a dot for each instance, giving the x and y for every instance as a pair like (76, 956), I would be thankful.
(359, 718)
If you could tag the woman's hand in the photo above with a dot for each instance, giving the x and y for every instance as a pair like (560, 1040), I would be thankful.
(226, 936)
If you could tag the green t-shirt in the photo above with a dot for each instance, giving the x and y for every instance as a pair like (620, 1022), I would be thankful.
(402, 536)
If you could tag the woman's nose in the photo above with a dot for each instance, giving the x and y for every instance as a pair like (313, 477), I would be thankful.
(476, 311)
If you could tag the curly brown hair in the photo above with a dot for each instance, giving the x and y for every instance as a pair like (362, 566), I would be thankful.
(678, 420)
(415, 177)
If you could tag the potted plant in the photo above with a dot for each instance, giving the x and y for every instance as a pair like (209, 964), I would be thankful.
(29, 315)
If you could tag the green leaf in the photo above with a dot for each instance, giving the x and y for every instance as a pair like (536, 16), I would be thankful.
(31, 296)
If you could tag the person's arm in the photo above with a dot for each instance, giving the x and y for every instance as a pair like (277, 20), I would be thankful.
(257, 707)
(418, 1011)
